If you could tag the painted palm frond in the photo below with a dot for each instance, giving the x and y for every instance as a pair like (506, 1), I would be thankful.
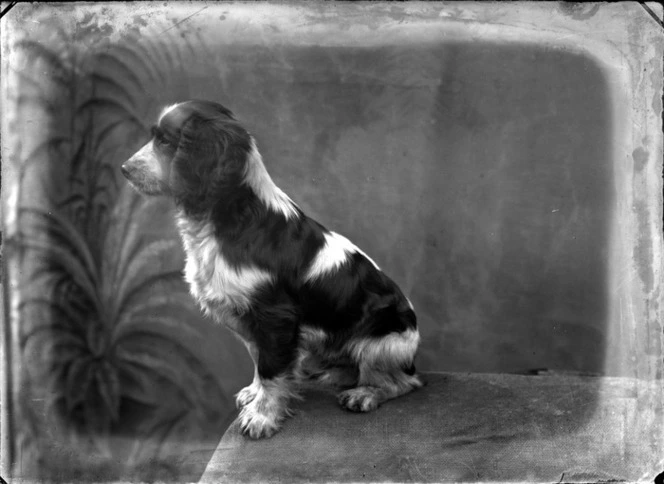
(105, 315)
(121, 330)
(60, 68)
(67, 235)
(111, 107)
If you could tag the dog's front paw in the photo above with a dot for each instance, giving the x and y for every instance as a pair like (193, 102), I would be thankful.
(247, 395)
(359, 399)
(259, 424)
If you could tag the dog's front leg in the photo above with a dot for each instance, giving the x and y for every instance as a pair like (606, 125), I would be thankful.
(248, 393)
(265, 413)
(264, 403)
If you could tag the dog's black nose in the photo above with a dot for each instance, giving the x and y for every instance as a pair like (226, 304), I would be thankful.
(125, 170)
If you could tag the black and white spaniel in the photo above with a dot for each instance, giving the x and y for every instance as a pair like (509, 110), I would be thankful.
(307, 303)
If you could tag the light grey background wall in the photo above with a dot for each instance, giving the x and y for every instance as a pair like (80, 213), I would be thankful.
(476, 174)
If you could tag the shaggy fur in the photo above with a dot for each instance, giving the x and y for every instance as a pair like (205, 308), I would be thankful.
(308, 304)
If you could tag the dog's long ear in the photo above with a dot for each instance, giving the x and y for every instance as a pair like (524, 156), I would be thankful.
(210, 157)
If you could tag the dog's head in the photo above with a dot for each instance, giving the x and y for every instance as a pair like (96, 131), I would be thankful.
(196, 148)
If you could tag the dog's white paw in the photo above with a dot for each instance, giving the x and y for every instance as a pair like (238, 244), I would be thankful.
(247, 395)
(259, 422)
(359, 399)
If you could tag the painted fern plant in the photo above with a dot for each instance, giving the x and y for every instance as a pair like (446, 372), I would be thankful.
(106, 334)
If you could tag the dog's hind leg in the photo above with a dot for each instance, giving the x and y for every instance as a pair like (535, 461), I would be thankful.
(319, 366)
(386, 370)
(316, 370)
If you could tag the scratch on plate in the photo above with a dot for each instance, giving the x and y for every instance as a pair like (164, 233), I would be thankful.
(183, 20)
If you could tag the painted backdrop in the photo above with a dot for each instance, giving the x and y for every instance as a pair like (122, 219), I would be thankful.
(475, 174)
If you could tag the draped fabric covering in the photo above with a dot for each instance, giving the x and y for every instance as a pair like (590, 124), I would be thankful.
(478, 171)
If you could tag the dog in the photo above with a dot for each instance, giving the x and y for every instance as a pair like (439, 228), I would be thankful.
(309, 305)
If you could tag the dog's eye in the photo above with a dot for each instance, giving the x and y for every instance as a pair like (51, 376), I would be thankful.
(160, 138)
(162, 141)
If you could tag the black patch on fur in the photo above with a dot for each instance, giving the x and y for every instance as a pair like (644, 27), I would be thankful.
(273, 322)
(252, 233)
(210, 157)
(356, 296)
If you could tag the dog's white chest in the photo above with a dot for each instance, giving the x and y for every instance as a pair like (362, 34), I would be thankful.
(215, 283)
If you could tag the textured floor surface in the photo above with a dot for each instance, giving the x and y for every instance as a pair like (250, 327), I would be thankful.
(463, 427)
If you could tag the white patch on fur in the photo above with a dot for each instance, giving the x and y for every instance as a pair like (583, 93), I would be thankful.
(212, 280)
(247, 395)
(376, 386)
(360, 399)
(147, 160)
(410, 304)
(145, 172)
(312, 336)
(257, 177)
(167, 110)
(333, 255)
(263, 416)
(394, 349)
